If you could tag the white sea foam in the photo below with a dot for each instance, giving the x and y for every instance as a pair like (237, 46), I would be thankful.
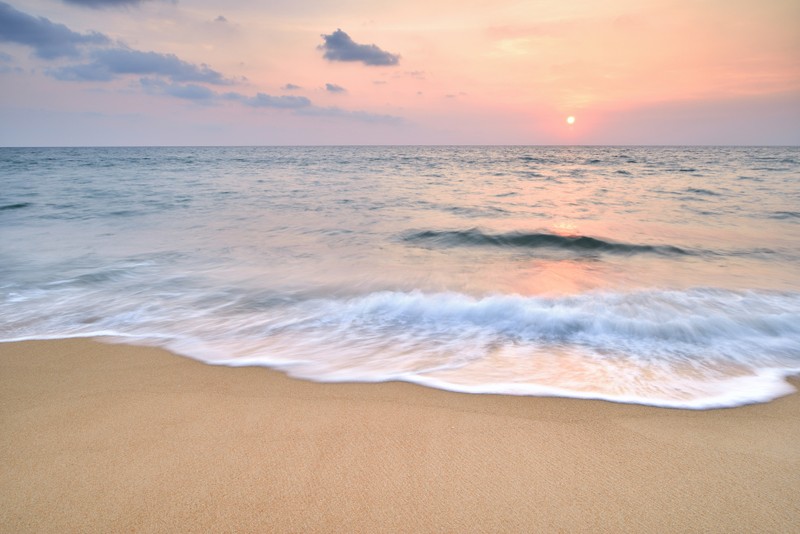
(698, 348)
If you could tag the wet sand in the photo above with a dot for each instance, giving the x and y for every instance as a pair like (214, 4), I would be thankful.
(100, 438)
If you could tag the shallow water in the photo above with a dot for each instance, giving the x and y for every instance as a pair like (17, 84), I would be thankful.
(662, 276)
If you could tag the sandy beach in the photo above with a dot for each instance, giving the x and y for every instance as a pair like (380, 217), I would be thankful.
(108, 438)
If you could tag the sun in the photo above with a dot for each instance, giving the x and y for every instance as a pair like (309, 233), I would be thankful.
(570, 120)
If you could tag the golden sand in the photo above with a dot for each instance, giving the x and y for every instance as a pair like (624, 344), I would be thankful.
(109, 438)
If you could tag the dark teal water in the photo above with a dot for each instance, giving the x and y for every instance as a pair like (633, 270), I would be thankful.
(664, 276)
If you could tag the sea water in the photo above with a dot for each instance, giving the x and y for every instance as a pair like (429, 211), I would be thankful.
(666, 276)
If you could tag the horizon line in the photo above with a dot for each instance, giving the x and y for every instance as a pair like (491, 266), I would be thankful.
(432, 145)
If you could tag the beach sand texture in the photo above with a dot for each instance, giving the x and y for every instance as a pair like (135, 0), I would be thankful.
(110, 438)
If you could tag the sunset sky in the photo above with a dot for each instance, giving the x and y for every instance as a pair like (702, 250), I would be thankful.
(278, 72)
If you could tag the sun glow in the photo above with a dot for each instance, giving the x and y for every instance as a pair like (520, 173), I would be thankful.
(570, 120)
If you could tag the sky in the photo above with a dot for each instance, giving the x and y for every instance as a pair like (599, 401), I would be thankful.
(332, 72)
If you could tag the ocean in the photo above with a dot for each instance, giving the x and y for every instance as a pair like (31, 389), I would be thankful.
(665, 276)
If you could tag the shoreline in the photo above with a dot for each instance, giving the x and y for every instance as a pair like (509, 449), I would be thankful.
(107, 437)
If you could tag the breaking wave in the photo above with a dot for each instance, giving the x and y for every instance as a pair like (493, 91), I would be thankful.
(476, 237)
(698, 348)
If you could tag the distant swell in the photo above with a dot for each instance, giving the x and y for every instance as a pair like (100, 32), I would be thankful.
(786, 215)
(16, 206)
(580, 243)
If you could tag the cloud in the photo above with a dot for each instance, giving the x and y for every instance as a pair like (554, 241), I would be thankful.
(263, 100)
(6, 64)
(300, 105)
(202, 94)
(167, 74)
(185, 91)
(338, 113)
(48, 39)
(333, 88)
(339, 46)
(113, 62)
(51, 40)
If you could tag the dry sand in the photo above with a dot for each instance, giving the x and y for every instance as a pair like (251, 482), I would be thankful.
(109, 438)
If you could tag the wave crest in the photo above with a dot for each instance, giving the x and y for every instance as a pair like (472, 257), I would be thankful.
(580, 243)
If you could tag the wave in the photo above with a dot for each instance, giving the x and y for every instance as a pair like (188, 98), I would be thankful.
(581, 243)
(697, 348)
(699, 191)
(18, 205)
(786, 215)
